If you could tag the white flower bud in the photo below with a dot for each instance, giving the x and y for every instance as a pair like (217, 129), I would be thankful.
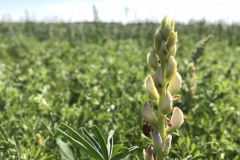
(175, 84)
(158, 144)
(163, 23)
(148, 114)
(171, 68)
(167, 146)
(158, 40)
(173, 51)
(177, 120)
(166, 32)
(172, 23)
(149, 85)
(171, 41)
(152, 61)
(167, 103)
(158, 79)
(148, 155)
(163, 53)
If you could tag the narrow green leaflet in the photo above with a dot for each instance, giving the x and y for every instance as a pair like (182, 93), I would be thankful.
(133, 148)
(3, 133)
(122, 154)
(197, 157)
(94, 142)
(188, 157)
(36, 125)
(110, 143)
(37, 152)
(116, 148)
(91, 151)
(32, 151)
(45, 126)
(101, 142)
(45, 157)
(65, 150)
(26, 153)
(82, 154)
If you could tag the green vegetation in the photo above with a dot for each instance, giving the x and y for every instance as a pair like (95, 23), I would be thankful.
(86, 74)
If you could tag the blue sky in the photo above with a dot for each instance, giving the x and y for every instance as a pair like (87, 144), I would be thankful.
(120, 10)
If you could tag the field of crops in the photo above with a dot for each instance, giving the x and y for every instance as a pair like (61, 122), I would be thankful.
(86, 74)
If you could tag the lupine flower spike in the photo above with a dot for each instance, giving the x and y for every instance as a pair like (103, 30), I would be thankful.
(162, 88)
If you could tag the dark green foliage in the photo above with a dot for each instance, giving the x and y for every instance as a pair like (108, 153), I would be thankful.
(86, 74)
(89, 145)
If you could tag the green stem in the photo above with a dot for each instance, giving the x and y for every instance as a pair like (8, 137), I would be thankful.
(161, 122)
(159, 156)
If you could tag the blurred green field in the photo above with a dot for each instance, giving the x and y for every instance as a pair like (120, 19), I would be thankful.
(86, 74)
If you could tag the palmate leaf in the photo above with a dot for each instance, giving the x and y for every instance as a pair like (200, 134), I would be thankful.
(101, 142)
(81, 144)
(82, 140)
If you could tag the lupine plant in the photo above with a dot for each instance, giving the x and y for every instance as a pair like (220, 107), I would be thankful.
(162, 89)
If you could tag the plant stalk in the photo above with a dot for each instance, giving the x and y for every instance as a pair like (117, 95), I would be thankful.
(161, 122)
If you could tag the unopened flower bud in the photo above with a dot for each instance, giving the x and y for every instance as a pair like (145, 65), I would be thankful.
(177, 120)
(171, 68)
(167, 103)
(166, 32)
(163, 23)
(149, 85)
(158, 79)
(148, 155)
(173, 51)
(158, 40)
(167, 146)
(171, 41)
(148, 114)
(163, 53)
(172, 24)
(152, 61)
(175, 84)
(158, 144)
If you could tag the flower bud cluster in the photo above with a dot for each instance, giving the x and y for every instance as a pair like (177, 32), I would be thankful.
(162, 87)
